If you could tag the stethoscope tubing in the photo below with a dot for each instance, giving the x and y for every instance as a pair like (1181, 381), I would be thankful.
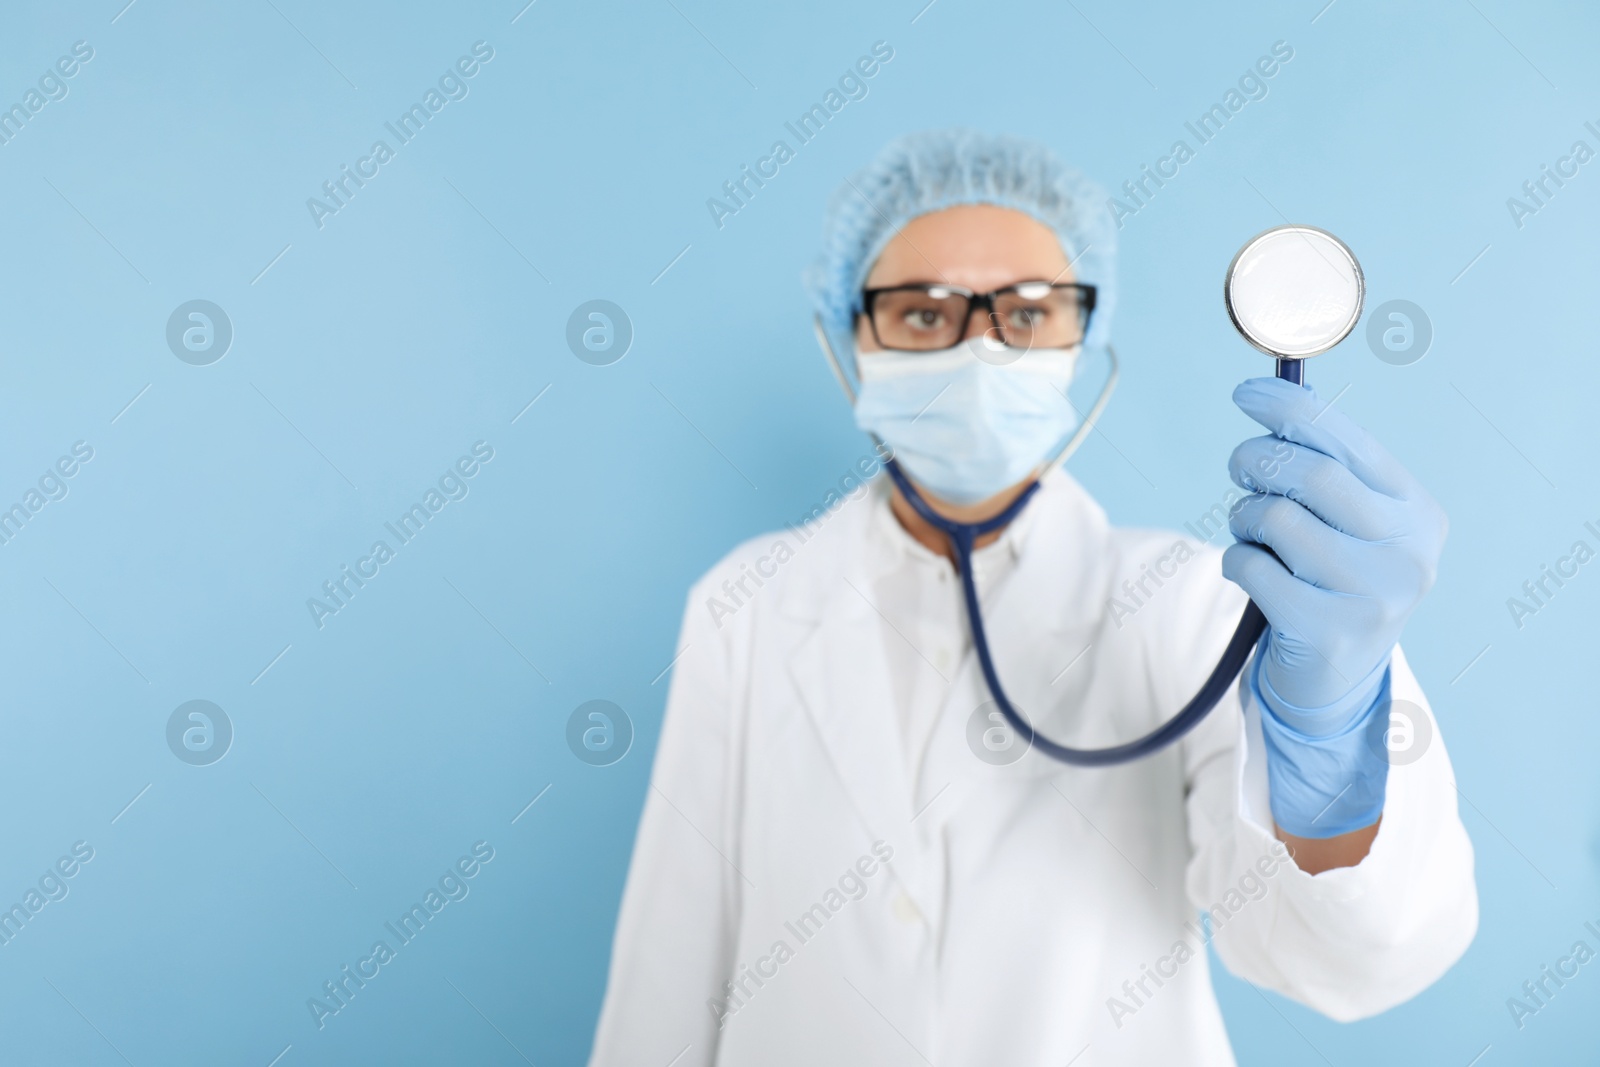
(963, 536)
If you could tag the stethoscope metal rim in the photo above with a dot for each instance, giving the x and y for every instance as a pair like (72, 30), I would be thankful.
(1344, 249)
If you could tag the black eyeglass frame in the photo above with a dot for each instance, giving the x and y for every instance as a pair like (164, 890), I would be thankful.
(869, 297)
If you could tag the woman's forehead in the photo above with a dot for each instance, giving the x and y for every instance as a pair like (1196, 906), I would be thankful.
(979, 246)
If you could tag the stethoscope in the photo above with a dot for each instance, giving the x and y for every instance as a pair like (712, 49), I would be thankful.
(1293, 292)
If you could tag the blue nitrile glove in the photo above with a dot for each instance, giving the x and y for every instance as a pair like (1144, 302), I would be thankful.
(1357, 543)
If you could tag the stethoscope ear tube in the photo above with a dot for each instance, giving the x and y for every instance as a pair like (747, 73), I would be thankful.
(833, 360)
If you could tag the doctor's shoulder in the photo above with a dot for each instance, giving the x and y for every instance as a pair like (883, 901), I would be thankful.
(784, 570)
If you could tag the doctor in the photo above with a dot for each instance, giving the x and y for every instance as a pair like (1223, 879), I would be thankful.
(844, 858)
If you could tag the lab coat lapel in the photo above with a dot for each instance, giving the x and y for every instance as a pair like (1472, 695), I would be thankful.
(843, 682)
(1038, 620)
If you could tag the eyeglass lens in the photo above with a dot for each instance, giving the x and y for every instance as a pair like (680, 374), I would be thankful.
(932, 317)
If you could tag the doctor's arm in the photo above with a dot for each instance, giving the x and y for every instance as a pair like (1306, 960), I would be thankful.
(1352, 941)
(675, 932)
(1379, 899)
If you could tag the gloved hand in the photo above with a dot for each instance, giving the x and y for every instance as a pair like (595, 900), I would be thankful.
(1357, 543)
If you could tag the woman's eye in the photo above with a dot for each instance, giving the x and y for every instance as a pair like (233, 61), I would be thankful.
(1028, 317)
(924, 318)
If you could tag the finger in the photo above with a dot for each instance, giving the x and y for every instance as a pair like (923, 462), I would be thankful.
(1289, 604)
(1295, 413)
(1313, 551)
(1318, 482)
(1280, 595)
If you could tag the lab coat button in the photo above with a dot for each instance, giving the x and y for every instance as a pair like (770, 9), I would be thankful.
(906, 910)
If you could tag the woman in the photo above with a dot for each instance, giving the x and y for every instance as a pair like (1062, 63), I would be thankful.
(840, 862)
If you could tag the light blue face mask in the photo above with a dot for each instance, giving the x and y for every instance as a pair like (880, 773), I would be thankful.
(969, 421)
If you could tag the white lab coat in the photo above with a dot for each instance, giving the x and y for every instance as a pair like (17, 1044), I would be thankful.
(1022, 908)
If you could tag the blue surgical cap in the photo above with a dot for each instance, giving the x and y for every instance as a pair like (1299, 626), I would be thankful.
(936, 169)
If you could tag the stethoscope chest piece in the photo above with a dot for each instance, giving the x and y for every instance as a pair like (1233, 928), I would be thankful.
(1294, 292)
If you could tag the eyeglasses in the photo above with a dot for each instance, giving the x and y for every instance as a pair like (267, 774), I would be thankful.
(925, 318)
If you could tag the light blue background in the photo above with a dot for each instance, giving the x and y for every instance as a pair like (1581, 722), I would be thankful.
(376, 750)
